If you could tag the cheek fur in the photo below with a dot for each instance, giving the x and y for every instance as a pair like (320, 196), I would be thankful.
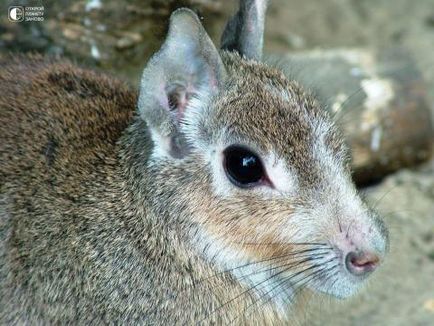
(248, 226)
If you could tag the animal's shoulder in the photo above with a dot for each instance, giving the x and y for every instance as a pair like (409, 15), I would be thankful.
(52, 111)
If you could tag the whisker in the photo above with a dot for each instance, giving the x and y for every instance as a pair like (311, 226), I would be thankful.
(280, 243)
(302, 255)
(348, 229)
(288, 266)
(265, 260)
(377, 202)
(297, 285)
(326, 272)
(287, 279)
(330, 285)
(268, 269)
(339, 113)
(398, 211)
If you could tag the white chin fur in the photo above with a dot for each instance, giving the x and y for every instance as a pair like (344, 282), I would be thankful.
(336, 281)
(341, 288)
(256, 278)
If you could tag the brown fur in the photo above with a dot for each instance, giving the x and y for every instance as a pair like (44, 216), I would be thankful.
(78, 242)
(93, 229)
(107, 216)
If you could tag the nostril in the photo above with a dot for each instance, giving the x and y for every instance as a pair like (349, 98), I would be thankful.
(360, 263)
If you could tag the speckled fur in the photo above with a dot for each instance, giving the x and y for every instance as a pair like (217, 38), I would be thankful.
(94, 230)
(79, 240)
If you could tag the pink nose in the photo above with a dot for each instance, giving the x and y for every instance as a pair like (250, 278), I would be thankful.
(360, 263)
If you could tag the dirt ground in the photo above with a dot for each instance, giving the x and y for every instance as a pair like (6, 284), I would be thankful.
(402, 291)
(294, 25)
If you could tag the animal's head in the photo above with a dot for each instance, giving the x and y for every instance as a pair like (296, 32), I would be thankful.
(254, 163)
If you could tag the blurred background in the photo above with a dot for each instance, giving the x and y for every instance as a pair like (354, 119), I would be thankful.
(370, 63)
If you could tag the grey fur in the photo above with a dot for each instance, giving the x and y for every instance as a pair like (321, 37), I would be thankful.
(97, 228)
(187, 64)
(244, 33)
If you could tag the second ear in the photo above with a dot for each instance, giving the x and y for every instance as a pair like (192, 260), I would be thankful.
(244, 33)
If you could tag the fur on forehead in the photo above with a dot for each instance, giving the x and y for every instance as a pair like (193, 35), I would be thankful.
(259, 105)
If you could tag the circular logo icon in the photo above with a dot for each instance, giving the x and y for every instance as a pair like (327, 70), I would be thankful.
(16, 14)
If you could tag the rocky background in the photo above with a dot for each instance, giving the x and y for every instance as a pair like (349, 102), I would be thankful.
(371, 62)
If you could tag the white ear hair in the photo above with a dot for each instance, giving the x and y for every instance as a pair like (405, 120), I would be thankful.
(187, 64)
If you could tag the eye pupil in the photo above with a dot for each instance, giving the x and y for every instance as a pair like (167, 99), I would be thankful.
(243, 168)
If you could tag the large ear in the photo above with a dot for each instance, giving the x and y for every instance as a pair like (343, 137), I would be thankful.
(244, 33)
(187, 67)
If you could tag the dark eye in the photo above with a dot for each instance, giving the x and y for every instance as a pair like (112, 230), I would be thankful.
(243, 168)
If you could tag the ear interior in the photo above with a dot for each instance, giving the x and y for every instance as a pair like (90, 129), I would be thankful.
(244, 33)
(187, 66)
